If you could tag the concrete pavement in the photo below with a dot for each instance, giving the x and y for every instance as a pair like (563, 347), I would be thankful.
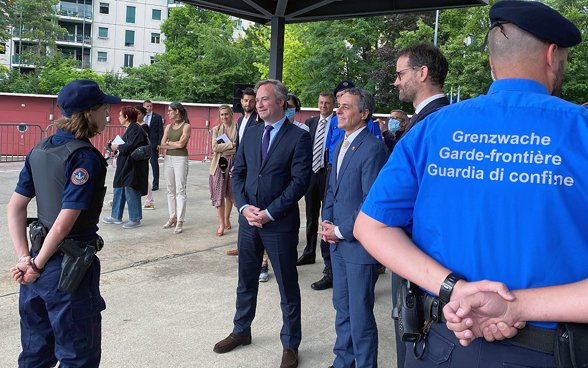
(170, 297)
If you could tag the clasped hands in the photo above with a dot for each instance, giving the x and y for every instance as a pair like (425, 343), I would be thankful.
(255, 216)
(482, 309)
(23, 272)
(328, 233)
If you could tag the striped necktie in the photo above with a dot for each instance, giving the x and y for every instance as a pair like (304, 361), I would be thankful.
(317, 152)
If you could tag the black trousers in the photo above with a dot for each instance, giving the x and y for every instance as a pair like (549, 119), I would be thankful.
(314, 199)
(155, 165)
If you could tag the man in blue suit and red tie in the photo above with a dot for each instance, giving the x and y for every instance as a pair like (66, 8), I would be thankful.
(271, 173)
(357, 160)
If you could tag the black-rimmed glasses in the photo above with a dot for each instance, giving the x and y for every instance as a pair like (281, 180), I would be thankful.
(399, 73)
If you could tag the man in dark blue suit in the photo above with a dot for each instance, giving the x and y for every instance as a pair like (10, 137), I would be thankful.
(270, 175)
(357, 160)
(155, 123)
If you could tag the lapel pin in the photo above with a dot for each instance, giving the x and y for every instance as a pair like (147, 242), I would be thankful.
(352, 148)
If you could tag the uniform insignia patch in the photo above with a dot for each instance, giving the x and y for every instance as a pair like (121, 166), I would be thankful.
(79, 176)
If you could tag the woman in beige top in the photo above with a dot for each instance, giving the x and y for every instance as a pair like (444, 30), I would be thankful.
(175, 165)
(221, 191)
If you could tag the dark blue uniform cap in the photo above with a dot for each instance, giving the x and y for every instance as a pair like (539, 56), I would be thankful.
(80, 95)
(538, 19)
(344, 84)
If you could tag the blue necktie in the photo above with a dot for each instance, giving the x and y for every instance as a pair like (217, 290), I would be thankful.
(266, 141)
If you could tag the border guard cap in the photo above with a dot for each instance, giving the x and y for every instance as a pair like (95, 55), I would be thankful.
(538, 19)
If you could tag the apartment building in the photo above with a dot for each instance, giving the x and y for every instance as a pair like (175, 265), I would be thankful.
(103, 35)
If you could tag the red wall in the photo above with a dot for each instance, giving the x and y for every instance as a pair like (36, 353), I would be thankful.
(42, 110)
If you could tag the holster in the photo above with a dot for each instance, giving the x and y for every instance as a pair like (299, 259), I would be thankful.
(571, 346)
(37, 234)
(77, 258)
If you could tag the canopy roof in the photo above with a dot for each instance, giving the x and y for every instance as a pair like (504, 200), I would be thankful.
(297, 11)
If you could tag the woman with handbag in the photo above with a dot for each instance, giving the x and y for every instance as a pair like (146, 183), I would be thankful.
(175, 164)
(130, 178)
(219, 182)
(149, 203)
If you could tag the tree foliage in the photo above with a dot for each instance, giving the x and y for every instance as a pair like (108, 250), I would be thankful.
(36, 24)
(202, 59)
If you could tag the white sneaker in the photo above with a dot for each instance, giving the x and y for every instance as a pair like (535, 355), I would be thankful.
(264, 274)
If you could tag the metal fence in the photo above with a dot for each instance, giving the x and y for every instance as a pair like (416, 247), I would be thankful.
(16, 140)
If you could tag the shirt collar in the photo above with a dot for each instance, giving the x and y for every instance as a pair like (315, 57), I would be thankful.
(328, 118)
(513, 84)
(426, 101)
(355, 134)
(278, 124)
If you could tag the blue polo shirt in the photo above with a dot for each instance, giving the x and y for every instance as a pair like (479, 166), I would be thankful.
(495, 187)
(334, 135)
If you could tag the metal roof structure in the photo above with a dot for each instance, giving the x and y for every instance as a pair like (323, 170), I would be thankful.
(281, 12)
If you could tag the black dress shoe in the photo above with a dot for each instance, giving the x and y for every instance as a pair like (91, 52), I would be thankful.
(307, 259)
(231, 342)
(155, 187)
(326, 282)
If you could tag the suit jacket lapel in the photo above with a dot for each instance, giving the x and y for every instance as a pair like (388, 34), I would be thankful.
(348, 155)
(312, 128)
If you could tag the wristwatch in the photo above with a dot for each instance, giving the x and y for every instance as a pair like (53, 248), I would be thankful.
(447, 286)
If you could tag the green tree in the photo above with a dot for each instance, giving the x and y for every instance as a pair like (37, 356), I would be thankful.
(204, 59)
(36, 25)
(6, 18)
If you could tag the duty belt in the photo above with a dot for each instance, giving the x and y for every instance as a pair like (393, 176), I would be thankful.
(530, 337)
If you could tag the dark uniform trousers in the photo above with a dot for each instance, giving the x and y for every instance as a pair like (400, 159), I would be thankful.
(444, 351)
(59, 326)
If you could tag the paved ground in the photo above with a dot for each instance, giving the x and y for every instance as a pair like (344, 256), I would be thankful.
(170, 298)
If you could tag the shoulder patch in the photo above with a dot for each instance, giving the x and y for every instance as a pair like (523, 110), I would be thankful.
(79, 176)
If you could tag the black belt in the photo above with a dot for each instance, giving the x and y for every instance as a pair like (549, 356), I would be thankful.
(535, 338)
(531, 337)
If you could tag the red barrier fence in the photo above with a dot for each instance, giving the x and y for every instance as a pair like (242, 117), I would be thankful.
(16, 140)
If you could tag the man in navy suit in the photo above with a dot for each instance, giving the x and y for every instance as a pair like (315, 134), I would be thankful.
(270, 175)
(155, 123)
(357, 160)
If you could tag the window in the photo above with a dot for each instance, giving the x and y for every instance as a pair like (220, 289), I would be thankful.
(152, 59)
(102, 32)
(102, 57)
(129, 60)
(104, 8)
(155, 37)
(156, 14)
(130, 38)
(3, 49)
(130, 14)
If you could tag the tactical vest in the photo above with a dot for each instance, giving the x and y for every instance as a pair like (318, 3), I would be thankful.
(48, 163)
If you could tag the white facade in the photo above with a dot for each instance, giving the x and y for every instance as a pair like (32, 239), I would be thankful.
(103, 34)
(127, 43)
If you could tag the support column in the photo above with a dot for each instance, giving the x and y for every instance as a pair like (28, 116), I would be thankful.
(276, 61)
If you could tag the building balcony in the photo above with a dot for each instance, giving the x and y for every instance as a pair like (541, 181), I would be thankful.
(75, 14)
(17, 60)
(74, 38)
